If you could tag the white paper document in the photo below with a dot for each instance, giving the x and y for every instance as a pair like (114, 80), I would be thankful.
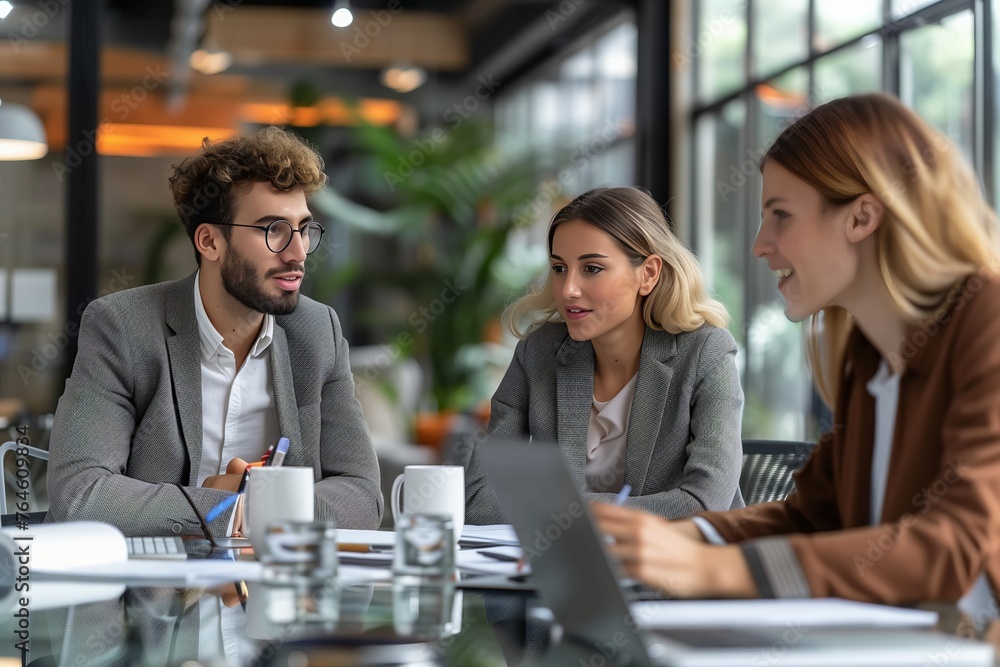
(162, 572)
(478, 561)
(823, 612)
(499, 534)
(370, 559)
(350, 575)
(375, 538)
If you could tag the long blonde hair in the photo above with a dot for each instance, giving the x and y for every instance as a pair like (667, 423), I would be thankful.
(937, 228)
(678, 302)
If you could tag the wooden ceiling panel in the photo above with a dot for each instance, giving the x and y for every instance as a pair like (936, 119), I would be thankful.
(258, 35)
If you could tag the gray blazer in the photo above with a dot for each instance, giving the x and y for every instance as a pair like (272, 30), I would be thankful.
(128, 427)
(683, 450)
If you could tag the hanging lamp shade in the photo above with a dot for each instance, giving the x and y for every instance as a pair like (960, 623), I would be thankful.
(22, 136)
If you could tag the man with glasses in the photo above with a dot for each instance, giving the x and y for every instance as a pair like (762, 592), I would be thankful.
(177, 385)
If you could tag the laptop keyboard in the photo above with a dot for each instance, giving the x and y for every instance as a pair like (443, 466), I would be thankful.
(155, 547)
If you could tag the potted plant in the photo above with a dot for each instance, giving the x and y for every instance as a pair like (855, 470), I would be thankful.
(454, 204)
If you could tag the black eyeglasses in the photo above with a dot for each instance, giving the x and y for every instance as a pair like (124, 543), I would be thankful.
(279, 234)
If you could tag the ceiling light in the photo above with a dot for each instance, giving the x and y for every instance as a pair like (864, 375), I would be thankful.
(5, 8)
(403, 78)
(211, 62)
(342, 16)
(22, 136)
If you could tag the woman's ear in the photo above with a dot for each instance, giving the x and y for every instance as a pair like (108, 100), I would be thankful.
(650, 274)
(866, 216)
(208, 241)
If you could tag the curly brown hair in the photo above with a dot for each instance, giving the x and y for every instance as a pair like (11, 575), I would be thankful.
(205, 185)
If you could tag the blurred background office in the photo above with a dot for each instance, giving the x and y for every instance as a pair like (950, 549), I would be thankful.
(451, 130)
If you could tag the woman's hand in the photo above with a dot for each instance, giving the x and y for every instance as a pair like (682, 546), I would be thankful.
(673, 556)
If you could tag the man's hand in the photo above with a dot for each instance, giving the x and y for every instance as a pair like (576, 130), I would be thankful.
(231, 480)
(669, 556)
(238, 518)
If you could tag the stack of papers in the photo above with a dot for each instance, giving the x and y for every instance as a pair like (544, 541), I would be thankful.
(380, 539)
(485, 536)
(493, 560)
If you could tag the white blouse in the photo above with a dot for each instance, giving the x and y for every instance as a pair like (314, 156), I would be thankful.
(606, 437)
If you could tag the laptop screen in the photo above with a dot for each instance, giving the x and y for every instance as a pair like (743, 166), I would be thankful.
(573, 572)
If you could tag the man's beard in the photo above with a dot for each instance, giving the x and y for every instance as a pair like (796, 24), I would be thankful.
(240, 279)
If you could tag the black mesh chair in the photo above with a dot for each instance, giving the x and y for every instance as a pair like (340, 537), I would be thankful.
(11, 480)
(768, 466)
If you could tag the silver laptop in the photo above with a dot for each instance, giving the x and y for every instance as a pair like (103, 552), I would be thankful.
(577, 580)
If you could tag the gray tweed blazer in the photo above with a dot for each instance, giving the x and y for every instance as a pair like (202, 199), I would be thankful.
(683, 450)
(128, 427)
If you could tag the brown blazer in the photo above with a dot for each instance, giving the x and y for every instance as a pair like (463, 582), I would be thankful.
(941, 516)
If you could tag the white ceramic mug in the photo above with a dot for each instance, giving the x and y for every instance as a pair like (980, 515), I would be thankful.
(270, 610)
(276, 494)
(431, 490)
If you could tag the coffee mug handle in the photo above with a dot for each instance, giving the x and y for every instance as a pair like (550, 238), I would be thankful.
(288, 548)
(395, 500)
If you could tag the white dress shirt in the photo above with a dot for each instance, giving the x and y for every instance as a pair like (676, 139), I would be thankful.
(238, 417)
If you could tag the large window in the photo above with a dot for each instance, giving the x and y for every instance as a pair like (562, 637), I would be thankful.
(760, 65)
(578, 112)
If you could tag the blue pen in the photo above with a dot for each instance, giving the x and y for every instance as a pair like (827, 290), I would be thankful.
(279, 453)
(623, 494)
(214, 513)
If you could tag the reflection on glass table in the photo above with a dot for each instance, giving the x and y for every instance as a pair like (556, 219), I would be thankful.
(284, 621)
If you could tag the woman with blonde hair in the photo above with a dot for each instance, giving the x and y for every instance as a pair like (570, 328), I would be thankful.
(625, 362)
(878, 234)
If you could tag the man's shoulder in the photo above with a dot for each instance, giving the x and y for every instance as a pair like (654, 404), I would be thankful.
(137, 301)
(310, 322)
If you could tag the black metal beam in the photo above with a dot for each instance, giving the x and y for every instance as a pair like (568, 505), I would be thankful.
(82, 186)
(653, 112)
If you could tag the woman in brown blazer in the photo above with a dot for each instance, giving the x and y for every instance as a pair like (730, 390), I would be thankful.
(881, 240)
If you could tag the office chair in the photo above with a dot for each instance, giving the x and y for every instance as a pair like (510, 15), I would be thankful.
(9, 478)
(768, 466)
